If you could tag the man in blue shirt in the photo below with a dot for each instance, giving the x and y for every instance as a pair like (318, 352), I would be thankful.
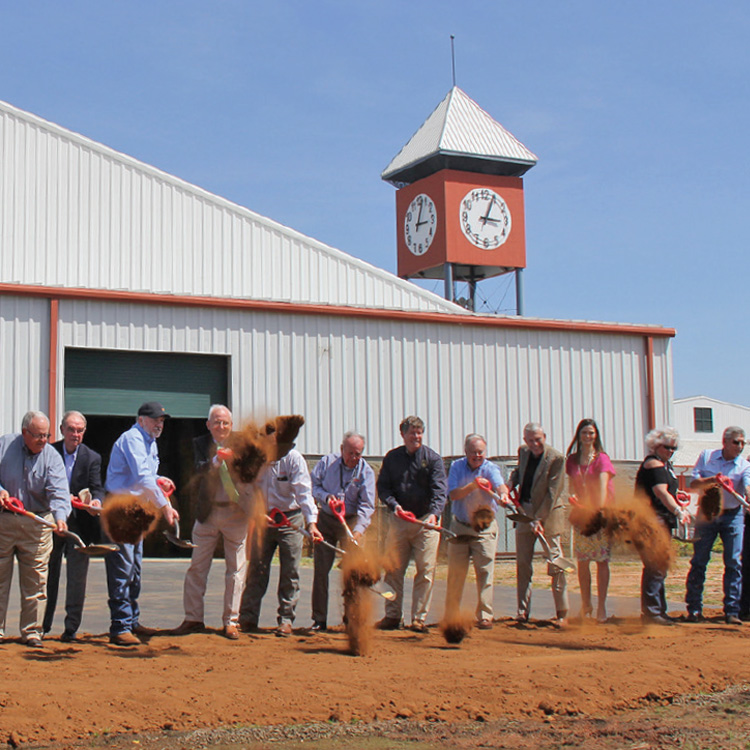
(481, 540)
(32, 471)
(133, 466)
(729, 525)
(348, 476)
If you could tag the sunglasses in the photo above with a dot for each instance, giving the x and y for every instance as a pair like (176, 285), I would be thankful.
(670, 447)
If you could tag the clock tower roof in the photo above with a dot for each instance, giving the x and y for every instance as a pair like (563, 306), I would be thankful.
(460, 135)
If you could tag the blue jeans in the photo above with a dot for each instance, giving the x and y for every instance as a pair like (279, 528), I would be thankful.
(729, 526)
(124, 587)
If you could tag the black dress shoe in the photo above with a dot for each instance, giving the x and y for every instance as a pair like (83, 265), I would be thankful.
(388, 623)
(68, 636)
(695, 617)
(318, 627)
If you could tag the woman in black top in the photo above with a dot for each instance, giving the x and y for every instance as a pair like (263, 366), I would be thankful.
(657, 480)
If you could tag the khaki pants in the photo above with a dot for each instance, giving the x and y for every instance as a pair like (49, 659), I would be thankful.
(481, 551)
(525, 541)
(407, 540)
(30, 543)
(229, 522)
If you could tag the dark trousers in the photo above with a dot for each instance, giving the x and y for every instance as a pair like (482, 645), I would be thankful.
(333, 532)
(745, 596)
(653, 595)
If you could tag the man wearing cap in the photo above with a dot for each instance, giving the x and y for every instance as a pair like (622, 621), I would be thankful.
(339, 476)
(133, 466)
(222, 512)
(32, 471)
(83, 469)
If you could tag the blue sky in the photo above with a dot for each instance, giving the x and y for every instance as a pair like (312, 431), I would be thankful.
(636, 212)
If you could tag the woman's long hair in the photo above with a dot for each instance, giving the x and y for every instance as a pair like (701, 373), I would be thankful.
(575, 445)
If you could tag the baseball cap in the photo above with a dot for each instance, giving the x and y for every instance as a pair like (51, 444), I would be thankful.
(152, 409)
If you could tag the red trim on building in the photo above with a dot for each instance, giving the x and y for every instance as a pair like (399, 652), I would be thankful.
(295, 308)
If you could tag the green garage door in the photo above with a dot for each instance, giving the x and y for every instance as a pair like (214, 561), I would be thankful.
(99, 381)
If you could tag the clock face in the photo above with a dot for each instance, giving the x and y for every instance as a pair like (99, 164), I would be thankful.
(420, 224)
(485, 218)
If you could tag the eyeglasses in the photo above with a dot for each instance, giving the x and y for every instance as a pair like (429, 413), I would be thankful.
(738, 442)
(670, 447)
(40, 436)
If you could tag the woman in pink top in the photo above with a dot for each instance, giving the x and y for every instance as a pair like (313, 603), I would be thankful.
(591, 480)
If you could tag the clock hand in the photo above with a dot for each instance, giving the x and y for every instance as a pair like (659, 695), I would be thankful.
(484, 219)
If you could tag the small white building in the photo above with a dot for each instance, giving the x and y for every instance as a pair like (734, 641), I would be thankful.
(120, 283)
(701, 420)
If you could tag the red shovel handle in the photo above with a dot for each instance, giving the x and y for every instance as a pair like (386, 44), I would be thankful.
(277, 519)
(224, 454)
(682, 499)
(165, 485)
(515, 497)
(336, 504)
(406, 515)
(14, 504)
(573, 500)
(484, 484)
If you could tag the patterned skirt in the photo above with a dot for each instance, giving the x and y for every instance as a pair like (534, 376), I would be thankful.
(594, 548)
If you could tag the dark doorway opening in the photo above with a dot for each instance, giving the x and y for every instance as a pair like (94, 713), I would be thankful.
(175, 461)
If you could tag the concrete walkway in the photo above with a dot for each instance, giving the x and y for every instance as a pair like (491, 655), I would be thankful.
(161, 598)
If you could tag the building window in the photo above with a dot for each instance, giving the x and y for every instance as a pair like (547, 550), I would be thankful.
(703, 418)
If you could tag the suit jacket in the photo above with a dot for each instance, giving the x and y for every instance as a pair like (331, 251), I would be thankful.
(207, 481)
(87, 473)
(547, 502)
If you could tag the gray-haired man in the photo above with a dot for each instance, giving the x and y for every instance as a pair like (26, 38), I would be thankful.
(348, 477)
(32, 471)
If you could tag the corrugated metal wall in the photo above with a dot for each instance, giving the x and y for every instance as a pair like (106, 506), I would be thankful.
(24, 359)
(343, 373)
(77, 214)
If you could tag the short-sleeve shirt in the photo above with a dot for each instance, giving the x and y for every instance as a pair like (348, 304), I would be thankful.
(585, 479)
(460, 475)
(710, 463)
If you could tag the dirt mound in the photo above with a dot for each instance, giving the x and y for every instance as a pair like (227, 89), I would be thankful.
(128, 518)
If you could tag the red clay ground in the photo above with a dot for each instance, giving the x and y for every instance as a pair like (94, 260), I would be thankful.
(66, 694)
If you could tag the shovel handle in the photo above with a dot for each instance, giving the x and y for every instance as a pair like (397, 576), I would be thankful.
(14, 504)
(407, 515)
(682, 499)
(277, 519)
(76, 503)
(224, 454)
(726, 484)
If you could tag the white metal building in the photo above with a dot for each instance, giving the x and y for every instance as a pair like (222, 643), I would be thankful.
(119, 282)
(701, 421)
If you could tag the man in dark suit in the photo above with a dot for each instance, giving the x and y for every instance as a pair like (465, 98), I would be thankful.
(540, 477)
(83, 468)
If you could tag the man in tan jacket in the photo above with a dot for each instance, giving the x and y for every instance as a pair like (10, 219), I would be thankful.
(540, 477)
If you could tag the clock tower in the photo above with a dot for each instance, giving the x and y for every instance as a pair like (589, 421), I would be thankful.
(459, 205)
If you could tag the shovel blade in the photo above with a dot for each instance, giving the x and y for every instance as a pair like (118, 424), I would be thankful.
(563, 564)
(181, 543)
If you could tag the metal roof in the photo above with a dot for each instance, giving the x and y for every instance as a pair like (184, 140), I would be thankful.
(460, 128)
